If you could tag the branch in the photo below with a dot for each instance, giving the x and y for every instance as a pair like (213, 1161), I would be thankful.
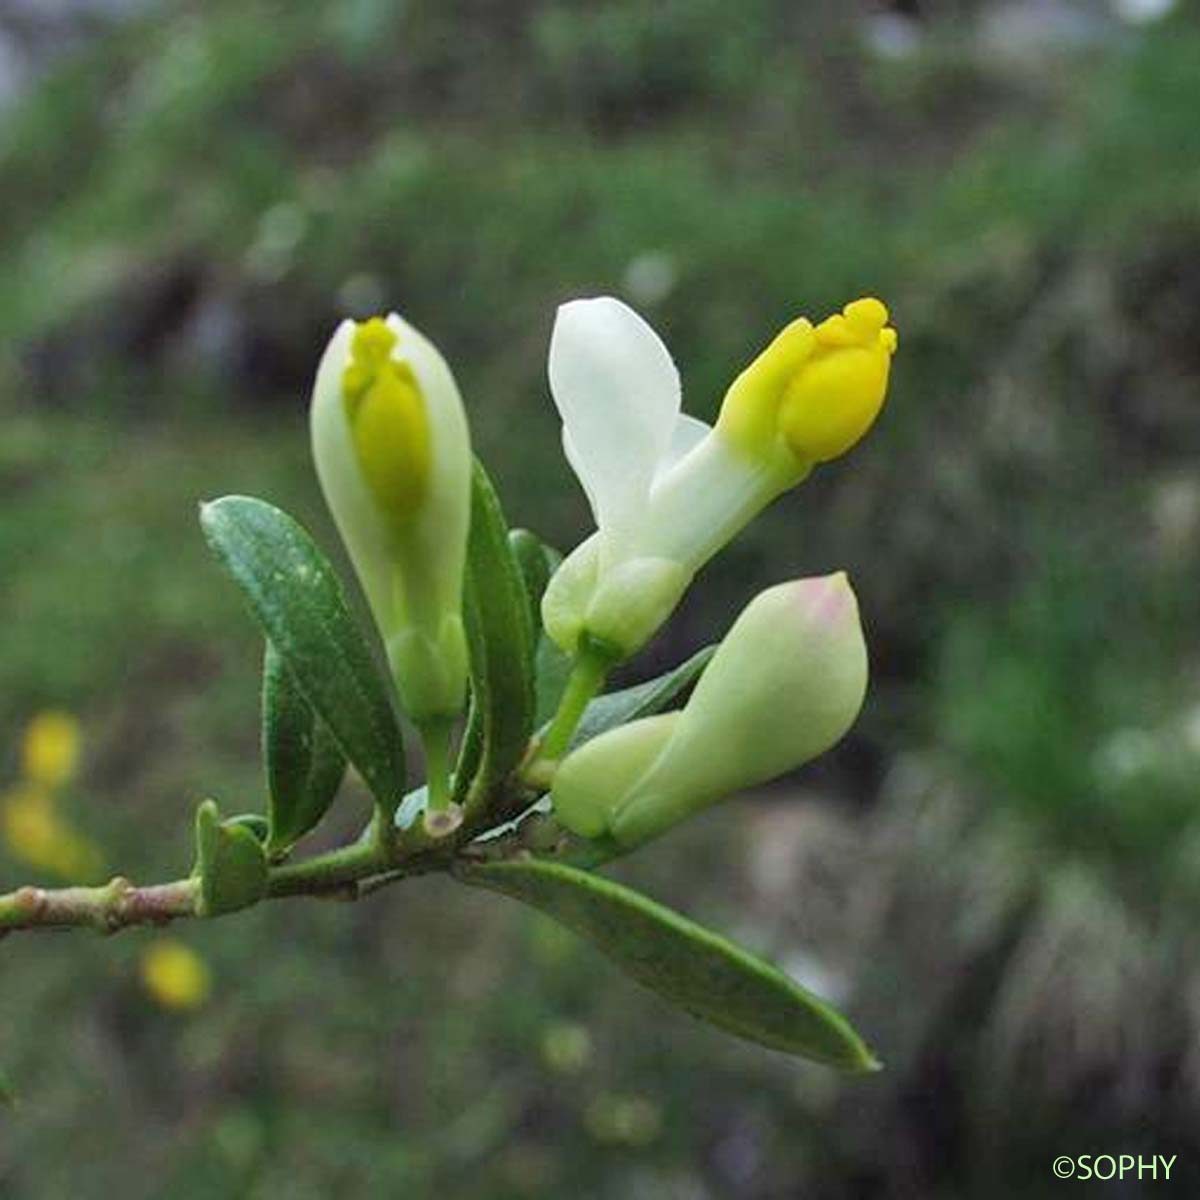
(348, 873)
(116, 905)
(119, 904)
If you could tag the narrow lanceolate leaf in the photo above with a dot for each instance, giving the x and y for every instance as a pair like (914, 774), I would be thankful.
(297, 599)
(470, 751)
(690, 966)
(642, 700)
(551, 667)
(537, 562)
(501, 640)
(303, 763)
(230, 864)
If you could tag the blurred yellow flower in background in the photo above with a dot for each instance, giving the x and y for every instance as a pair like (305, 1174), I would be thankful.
(35, 832)
(50, 750)
(33, 828)
(175, 976)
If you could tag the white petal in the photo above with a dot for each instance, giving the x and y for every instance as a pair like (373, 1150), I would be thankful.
(688, 433)
(440, 528)
(572, 457)
(346, 494)
(703, 500)
(618, 393)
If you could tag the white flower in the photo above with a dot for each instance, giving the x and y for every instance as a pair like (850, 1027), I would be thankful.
(666, 490)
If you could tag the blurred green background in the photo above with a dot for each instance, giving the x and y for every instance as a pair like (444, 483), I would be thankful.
(997, 874)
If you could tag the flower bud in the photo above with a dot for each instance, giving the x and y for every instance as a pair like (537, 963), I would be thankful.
(393, 455)
(784, 686)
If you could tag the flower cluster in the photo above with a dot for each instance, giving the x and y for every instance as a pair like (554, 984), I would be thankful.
(494, 640)
(667, 491)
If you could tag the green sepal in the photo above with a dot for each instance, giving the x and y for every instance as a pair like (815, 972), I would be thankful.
(642, 700)
(295, 596)
(500, 639)
(304, 765)
(231, 864)
(690, 966)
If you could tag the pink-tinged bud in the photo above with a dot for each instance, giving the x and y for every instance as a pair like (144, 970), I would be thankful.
(785, 684)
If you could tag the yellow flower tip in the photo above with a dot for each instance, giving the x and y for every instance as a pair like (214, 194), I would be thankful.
(175, 976)
(788, 350)
(831, 402)
(815, 390)
(50, 750)
(388, 422)
(750, 412)
(858, 324)
(374, 341)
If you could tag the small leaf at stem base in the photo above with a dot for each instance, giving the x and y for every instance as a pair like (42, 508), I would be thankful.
(230, 864)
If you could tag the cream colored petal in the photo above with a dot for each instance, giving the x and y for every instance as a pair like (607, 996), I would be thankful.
(618, 392)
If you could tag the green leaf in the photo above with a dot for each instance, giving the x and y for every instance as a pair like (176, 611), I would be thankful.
(8, 1096)
(500, 637)
(230, 864)
(690, 966)
(551, 667)
(643, 700)
(537, 562)
(470, 751)
(297, 599)
(303, 763)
